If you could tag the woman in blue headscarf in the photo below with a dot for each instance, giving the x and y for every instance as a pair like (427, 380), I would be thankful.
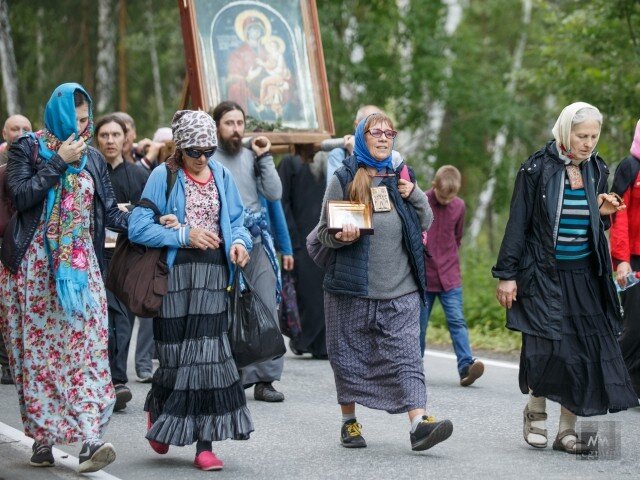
(374, 288)
(54, 313)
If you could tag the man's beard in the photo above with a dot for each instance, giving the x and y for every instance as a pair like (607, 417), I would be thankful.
(232, 146)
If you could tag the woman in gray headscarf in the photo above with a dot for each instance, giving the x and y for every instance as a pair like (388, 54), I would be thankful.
(196, 394)
(556, 282)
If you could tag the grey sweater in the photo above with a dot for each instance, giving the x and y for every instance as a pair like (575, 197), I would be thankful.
(389, 269)
(249, 185)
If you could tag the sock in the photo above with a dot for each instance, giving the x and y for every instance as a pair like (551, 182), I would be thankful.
(348, 416)
(203, 446)
(567, 421)
(415, 421)
(537, 405)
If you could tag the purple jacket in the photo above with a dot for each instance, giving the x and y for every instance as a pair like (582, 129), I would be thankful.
(443, 243)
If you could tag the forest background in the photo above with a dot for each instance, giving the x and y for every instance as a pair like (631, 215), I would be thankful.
(473, 83)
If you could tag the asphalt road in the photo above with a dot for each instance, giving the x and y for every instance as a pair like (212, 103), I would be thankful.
(299, 438)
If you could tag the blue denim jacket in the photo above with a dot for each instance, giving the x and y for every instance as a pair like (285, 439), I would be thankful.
(144, 230)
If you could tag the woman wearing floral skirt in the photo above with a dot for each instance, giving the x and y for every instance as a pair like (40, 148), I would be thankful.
(54, 312)
(196, 395)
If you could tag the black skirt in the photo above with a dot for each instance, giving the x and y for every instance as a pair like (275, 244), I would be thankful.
(196, 393)
(583, 371)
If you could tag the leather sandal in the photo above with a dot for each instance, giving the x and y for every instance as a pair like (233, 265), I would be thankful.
(575, 447)
(528, 429)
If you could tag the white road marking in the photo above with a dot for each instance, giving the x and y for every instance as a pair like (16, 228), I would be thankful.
(62, 458)
(493, 363)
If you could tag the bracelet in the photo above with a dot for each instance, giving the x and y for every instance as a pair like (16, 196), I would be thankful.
(261, 156)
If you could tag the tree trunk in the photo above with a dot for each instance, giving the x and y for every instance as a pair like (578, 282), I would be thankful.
(486, 195)
(85, 34)
(122, 55)
(41, 74)
(155, 64)
(106, 62)
(8, 62)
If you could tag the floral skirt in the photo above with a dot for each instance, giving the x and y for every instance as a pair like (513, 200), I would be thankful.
(60, 365)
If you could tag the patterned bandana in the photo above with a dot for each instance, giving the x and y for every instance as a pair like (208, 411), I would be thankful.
(64, 234)
(193, 128)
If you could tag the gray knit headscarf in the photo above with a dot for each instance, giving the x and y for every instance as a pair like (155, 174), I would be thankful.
(193, 128)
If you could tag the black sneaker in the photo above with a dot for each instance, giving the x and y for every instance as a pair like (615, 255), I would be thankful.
(123, 395)
(471, 373)
(42, 455)
(430, 432)
(264, 392)
(351, 435)
(7, 378)
(95, 456)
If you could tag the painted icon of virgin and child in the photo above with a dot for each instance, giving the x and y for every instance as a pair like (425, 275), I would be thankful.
(258, 76)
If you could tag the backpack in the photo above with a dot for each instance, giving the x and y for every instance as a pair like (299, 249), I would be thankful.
(7, 208)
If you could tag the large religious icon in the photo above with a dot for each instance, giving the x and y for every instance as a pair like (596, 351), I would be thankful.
(266, 56)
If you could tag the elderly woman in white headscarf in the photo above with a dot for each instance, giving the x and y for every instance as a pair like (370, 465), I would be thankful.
(555, 281)
(196, 395)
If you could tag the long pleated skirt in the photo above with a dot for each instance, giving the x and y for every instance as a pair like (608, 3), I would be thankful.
(374, 351)
(584, 371)
(196, 392)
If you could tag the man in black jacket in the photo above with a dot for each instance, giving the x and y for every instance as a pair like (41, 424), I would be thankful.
(128, 181)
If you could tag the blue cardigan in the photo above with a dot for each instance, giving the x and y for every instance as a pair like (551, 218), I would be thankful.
(278, 225)
(144, 230)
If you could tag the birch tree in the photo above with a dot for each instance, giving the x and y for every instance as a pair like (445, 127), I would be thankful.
(8, 62)
(155, 64)
(106, 62)
(500, 141)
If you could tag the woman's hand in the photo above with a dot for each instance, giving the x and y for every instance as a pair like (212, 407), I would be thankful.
(239, 255)
(350, 233)
(405, 187)
(506, 292)
(610, 203)
(203, 239)
(170, 221)
(624, 268)
(71, 150)
(287, 262)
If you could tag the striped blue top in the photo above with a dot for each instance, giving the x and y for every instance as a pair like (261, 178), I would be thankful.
(573, 232)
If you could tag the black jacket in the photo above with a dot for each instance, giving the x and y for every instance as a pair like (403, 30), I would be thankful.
(28, 185)
(527, 254)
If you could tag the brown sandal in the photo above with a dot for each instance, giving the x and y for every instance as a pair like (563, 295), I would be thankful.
(575, 447)
(528, 429)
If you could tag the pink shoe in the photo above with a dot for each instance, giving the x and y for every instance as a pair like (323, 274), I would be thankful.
(208, 461)
(157, 447)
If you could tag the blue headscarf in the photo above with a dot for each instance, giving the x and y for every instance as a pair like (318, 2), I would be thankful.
(65, 239)
(362, 152)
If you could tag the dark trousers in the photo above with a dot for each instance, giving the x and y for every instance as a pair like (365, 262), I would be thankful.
(630, 338)
(120, 327)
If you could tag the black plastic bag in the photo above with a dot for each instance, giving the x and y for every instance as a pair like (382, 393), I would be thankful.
(253, 331)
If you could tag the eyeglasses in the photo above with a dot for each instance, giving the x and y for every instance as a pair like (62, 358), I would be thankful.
(377, 133)
(195, 153)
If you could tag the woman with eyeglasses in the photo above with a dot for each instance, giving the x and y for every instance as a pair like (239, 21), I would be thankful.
(374, 288)
(196, 394)
(555, 280)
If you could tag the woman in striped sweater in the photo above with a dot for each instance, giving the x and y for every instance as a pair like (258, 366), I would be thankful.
(556, 283)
